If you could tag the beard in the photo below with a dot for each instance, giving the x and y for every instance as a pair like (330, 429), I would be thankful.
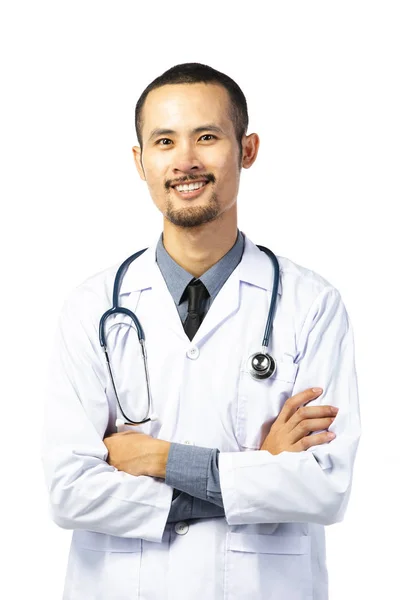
(193, 216)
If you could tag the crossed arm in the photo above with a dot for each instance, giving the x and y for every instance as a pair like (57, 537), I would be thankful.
(180, 465)
(141, 454)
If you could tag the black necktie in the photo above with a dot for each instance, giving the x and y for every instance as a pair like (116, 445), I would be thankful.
(197, 294)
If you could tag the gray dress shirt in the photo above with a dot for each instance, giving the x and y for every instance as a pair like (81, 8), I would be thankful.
(193, 470)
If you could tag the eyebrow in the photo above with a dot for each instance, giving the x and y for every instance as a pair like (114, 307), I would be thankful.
(209, 127)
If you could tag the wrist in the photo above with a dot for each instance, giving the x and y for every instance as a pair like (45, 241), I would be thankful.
(160, 459)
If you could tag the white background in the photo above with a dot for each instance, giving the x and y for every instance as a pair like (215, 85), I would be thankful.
(322, 84)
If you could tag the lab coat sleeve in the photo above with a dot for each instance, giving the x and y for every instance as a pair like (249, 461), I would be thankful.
(312, 485)
(85, 492)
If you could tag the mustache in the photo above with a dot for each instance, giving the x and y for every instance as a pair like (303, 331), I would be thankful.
(188, 178)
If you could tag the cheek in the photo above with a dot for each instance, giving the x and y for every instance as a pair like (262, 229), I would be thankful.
(156, 176)
(228, 177)
(226, 166)
(156, 168)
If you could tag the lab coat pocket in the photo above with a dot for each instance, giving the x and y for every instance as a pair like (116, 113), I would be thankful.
(260, 402)
(102, 566)
(268, 567)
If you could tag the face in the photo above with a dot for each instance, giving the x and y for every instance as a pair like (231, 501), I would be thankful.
(188, 136)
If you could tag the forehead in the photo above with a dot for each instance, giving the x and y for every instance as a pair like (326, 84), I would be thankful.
(181, 106)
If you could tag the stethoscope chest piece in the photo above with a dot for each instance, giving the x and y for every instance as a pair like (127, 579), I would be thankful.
(261, 365)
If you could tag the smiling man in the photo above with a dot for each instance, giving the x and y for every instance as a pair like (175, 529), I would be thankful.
(188, 475)
(192, 166)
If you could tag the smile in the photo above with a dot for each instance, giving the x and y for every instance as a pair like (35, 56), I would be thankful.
(189, 187)
(191, 190)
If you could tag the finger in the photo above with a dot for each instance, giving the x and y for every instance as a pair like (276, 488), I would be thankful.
(294, 402)
(313, 440)
(312, 412)
(307, 426)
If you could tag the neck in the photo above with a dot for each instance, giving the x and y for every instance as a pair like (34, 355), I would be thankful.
(197, 249)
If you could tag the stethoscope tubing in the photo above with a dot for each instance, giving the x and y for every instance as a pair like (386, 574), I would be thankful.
(271, 313)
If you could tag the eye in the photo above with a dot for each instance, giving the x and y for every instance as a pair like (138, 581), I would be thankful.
(158, 142)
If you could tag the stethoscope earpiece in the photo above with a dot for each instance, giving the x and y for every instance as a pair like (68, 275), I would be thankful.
(261, 365)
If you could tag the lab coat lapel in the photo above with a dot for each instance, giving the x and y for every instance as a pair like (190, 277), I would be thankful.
(224, 305)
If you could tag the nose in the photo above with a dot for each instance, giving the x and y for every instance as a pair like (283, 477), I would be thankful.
(187, 161)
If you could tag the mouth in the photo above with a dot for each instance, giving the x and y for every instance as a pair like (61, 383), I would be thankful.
(190, 190)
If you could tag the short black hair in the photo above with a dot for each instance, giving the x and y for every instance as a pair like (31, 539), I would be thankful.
(199, 73)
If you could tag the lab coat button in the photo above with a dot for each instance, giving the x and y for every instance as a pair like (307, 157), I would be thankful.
(181, 528)
(189, 442)
(193, 352)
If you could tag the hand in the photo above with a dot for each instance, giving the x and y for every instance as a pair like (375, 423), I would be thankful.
(137, 453)
(291, 428)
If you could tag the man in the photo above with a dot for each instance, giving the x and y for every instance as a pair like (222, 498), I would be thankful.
(225, 492)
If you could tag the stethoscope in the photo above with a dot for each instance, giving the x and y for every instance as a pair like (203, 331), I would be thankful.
(261, 365)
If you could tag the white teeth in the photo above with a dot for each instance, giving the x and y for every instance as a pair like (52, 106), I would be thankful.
(190, 187)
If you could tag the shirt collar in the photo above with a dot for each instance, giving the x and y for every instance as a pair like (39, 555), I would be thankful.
(177, 278)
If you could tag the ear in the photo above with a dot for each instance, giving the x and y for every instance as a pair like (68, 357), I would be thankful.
(137, 155)
(250, 146)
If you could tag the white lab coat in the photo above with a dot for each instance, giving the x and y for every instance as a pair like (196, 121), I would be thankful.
(271, 545)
